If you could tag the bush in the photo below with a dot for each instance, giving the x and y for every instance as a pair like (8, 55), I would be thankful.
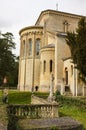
(57, 93)
(71, 101)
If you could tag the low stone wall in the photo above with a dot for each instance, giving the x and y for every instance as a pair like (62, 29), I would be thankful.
(33, 111)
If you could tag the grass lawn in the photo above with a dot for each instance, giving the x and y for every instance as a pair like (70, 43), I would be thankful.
(16, 97)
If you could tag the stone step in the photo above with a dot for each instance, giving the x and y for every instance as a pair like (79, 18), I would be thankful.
(61, 123)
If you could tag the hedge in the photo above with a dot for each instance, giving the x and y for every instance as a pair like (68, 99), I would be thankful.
(71, 101)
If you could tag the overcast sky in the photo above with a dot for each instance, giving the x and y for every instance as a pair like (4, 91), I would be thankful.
(17, 14)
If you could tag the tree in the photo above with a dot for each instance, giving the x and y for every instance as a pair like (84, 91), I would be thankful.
(77, 44)
(7, 58)
(13, 76)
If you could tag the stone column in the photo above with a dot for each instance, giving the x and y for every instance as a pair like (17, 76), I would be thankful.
(25, 63)
(75, 81)
(57, 60)
(19, 75)
(33, 61)
(56, 63)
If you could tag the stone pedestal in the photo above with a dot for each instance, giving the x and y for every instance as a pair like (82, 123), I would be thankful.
(50, 98)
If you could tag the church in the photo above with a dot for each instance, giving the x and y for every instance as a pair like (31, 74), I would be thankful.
(45, 55)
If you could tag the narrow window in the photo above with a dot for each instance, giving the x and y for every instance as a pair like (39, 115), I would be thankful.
(50, 65)
(66, 75)
(71, 70)
(30, 47)
(37, 46)
(44, 66)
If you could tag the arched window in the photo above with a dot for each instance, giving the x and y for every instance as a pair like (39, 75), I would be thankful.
(30, 47)
(66, 75)
(37, 46)
(71, 70)
(51, 65)
(44, 66)
(24, 48)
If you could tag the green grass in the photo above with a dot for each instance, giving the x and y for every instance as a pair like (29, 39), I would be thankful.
(16, 97)
(73, 112)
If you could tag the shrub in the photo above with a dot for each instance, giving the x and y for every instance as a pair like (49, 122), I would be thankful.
(71, 101)
(57, 93)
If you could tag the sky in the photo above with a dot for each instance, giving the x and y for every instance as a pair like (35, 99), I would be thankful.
(17, 14)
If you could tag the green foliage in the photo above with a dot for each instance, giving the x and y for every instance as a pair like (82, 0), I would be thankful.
(57, 93)
(13, 76)
(71, 41)
(8, 62)
(77, 45)
(72, 101)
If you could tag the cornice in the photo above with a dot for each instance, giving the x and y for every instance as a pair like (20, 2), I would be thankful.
(30, 27)
(32, 33)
